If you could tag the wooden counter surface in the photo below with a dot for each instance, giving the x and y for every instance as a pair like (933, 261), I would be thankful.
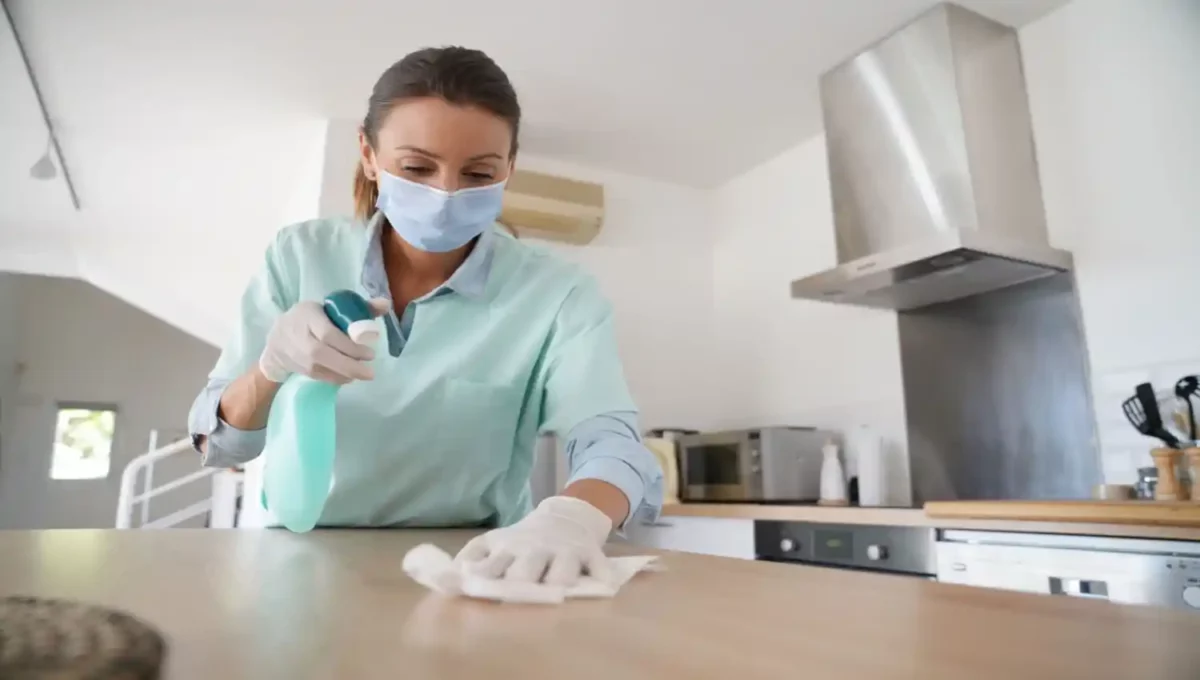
(917, 518)
(335, 604)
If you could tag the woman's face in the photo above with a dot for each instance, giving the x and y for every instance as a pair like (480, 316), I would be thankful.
(433, 142)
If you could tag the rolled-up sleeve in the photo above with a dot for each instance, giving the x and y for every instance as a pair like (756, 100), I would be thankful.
(586, 397)
(226, 446)
(265, 298)
(608, 448)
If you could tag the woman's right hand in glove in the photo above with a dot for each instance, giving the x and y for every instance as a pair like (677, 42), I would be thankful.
(304, 340)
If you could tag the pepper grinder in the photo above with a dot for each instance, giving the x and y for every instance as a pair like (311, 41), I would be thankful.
(1193, 463)
(1166, 460)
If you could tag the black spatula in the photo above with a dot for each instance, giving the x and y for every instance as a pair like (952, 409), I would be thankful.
(1142, 412)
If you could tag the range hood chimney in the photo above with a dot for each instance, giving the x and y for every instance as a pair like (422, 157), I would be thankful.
(932, 168)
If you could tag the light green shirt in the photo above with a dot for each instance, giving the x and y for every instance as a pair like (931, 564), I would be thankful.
(445, 433)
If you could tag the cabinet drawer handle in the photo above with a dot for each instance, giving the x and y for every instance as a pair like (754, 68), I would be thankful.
(1078, 587)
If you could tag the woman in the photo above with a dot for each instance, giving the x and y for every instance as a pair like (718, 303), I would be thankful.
(488, 342)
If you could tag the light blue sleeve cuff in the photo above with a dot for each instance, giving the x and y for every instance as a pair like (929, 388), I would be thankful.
(621, 475)
(227, 445)
(608, 448)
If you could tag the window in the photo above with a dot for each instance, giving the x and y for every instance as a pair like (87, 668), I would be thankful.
(83, 437)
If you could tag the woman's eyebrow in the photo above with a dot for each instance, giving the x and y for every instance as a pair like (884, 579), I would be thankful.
(423, 152)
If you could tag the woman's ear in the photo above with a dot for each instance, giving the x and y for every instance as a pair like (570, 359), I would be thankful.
(367, 156)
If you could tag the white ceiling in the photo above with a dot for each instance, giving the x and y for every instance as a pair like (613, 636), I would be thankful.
(649, 87)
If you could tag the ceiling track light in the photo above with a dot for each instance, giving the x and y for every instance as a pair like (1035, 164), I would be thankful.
(44, 168)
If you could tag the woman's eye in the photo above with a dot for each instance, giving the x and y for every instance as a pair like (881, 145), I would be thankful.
(418, 170)
(479, 176)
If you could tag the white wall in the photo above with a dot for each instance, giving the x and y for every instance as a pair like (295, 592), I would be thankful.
(9, 309)
(36, 248)
(340, 162)
(77, 343)
(184, 249)
(1114, 89)
(653, 259)
(788, 361)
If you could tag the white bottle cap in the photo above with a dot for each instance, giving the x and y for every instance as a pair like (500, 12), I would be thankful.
(365, 332)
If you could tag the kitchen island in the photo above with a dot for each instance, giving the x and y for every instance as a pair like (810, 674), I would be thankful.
(335, 604)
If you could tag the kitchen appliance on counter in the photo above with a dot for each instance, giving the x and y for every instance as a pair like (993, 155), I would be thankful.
(669, 433)
(756, 465)
(667, 454)
(663, 442)
(886, 549)
(1124, 570)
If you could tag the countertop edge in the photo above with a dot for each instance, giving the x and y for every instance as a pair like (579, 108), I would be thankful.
(916, 517)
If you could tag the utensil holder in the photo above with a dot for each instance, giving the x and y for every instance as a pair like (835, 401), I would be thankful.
(1193, 463)
(1167, 461)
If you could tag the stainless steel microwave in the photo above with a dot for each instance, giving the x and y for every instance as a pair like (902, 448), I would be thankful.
(760, 464)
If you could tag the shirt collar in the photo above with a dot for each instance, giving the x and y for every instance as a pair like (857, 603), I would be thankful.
(469, 280)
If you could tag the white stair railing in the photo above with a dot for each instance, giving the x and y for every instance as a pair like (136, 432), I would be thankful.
(221, 502)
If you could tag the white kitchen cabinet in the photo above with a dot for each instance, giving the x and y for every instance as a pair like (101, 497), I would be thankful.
(704, 535)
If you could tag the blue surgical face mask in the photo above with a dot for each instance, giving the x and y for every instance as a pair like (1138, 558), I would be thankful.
(434, 220)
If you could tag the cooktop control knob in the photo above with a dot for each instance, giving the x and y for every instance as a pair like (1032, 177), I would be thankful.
(787, 545)
(1191, 595)
(876, 553)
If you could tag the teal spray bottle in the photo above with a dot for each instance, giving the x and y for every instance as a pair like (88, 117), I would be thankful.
(302, 428)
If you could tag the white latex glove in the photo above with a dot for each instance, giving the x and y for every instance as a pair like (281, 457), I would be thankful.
(556, 543)
(304, 340)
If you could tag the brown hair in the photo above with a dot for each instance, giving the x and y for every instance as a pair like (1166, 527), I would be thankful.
(460, 76)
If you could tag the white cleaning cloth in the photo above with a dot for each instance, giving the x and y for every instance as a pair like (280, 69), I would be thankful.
(433, 568)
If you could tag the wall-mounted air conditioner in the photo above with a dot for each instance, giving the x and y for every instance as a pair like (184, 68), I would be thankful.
(543, 206)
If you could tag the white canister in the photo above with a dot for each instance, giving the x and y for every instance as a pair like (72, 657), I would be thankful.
(833, 476)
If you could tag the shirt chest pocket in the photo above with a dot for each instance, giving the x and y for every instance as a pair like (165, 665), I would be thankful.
(479, 419)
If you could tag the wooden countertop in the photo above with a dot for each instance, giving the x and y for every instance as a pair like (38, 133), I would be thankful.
(335, 604)
(917, 518)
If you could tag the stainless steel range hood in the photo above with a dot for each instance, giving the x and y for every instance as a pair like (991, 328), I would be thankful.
(932, 168)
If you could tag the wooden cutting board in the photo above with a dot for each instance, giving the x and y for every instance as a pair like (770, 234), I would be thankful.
(1160, 513)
